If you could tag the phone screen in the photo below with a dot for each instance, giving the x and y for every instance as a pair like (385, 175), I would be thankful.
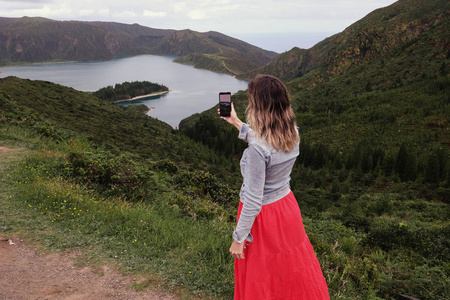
(225, 104)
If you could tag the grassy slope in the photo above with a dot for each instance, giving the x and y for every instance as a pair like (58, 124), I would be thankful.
(82, 163)
(385, 119)
(65, 109)
(155, 240)
(177, 234)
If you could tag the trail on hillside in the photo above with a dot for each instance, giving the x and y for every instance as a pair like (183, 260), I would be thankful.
(26, 273)
(4, 149)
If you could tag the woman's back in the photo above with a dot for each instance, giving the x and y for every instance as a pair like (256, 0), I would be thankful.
(278, 166)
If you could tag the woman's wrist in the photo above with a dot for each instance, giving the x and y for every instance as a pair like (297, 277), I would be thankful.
(238, 124)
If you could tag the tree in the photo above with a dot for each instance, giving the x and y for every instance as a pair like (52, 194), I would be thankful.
(405, 165)
(336, 187)
(432, 169)
(443, 69)
(368, 87)
(320, 156)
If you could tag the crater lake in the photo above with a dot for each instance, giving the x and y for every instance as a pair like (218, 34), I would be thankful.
(191, 90)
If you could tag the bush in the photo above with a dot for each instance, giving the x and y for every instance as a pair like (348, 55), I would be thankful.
(202, 183)
(116, 175)
(167, 166)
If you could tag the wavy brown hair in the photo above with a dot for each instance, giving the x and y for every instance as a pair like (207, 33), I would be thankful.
(269, 112)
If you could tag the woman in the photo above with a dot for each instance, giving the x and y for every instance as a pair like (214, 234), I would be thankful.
(274, 258)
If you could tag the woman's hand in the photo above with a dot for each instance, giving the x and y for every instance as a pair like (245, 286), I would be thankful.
(233, 118)
(237, 250)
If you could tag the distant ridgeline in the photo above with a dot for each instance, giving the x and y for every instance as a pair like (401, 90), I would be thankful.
(27, 40)
(129, 90)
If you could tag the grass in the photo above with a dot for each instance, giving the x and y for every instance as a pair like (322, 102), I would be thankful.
(156, 241)
(373, 243)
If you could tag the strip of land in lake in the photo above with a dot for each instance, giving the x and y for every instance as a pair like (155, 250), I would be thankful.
(143, 96)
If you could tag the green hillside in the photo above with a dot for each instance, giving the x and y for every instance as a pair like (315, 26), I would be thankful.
(402, 42)
(373, 176)
(26, 40)
(138, 186)
(61, 113)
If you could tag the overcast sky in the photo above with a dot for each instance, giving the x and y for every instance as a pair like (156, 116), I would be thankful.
(237, 18)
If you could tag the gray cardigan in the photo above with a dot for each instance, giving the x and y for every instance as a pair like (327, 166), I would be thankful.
(266, 173)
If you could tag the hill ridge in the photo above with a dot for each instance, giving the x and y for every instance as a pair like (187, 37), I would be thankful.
(39, 39)
(380, 32)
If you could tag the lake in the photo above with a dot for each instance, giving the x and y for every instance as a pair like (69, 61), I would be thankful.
(191, 90)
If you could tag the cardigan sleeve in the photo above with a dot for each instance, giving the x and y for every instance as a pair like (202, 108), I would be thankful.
(251, 193)
(245, 132)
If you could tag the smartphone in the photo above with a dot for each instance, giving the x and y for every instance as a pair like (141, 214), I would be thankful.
(225, 104)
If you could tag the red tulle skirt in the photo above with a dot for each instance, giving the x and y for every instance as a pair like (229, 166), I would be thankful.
(280, 263)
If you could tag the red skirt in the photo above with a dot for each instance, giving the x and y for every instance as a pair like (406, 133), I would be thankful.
(280, 263)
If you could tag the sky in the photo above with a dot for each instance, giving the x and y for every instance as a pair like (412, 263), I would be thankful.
(278, 24)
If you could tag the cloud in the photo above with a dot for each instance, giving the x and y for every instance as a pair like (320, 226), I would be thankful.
(127, 14)
(28, 1)
(12, 7)
(179, 7)
(155, 14)
(87, 12)
(227, 16)
(196, 14)
(103, 12)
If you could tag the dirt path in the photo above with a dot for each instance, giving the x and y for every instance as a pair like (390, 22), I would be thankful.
(4, 149)
(26, 274)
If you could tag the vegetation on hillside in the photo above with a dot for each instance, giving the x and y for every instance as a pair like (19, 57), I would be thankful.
(129, 90)
(102, 171)
(373, 183)
(376, 232)
(373, 176)
(405, 40)
(69, 194)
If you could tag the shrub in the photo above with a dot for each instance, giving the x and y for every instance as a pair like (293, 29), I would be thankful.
(202, 183)
(117, 175)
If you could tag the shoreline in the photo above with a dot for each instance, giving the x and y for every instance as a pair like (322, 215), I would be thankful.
(143, 96)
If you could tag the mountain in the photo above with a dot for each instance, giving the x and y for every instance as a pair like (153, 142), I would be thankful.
(382, 81)
(39, 39)
(225, 54)
(409, 34)
(378, 89)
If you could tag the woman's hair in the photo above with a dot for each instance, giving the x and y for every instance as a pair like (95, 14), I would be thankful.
(269, 112)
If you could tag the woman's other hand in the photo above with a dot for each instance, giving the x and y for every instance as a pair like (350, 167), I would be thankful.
(233, 118)
(237, 250)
